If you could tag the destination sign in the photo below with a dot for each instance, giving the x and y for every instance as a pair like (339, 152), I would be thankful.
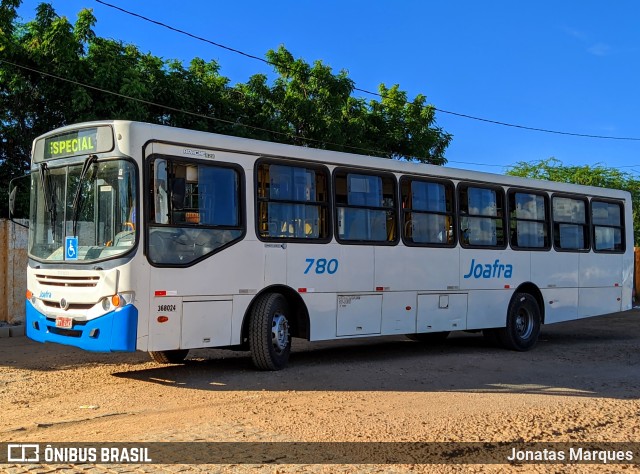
(84, 141)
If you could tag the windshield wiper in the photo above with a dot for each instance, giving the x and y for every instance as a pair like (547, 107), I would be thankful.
(49, 201)
(91, 159)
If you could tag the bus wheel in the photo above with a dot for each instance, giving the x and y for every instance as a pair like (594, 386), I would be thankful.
(269, 337)
(429, 337)
(169, 357)
(523, 323)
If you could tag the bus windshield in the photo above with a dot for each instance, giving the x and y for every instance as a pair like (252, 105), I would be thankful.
(80, 214)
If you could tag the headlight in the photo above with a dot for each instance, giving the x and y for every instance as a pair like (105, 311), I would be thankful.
(118, 301)
(31, 297)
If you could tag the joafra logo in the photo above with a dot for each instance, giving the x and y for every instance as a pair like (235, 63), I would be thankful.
(487, 270)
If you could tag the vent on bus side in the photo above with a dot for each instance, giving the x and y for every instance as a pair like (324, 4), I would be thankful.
(68, 281)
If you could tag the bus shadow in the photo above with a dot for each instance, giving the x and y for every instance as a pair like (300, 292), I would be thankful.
(24, 353)
(570, 360)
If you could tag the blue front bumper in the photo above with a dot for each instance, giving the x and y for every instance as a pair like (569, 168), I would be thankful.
(113, 332)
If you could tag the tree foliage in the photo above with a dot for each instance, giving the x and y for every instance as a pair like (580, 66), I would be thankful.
(306, 104)
(552, 169)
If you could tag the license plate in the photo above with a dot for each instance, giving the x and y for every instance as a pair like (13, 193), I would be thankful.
(64, 322)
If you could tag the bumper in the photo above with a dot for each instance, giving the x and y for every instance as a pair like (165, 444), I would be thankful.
(114, 332)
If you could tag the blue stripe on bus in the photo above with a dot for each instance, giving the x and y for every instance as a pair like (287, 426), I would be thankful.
(113, 332)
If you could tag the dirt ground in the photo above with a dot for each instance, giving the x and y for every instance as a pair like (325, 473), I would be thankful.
(581, 383)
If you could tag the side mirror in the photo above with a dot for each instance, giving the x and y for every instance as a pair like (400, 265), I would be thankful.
(19, 193)
(12, 201)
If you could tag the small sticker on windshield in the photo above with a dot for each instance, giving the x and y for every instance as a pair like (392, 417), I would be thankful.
(71, 248)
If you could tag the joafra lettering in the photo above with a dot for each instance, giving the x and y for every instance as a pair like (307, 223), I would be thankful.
(487, 270)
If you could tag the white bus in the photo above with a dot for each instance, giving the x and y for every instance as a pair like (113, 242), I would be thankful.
(152, 238)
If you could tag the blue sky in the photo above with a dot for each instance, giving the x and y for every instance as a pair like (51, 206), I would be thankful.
(571, 66)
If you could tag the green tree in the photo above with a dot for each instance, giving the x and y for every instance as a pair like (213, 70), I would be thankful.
(306, 104)
(314, 107)
(597, 175)
(31, 103)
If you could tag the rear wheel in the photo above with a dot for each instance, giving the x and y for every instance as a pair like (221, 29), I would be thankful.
(269, 337)
(429, 337)
(523, 323)
(169, 357)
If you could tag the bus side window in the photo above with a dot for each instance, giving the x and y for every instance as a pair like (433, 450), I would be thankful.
(365, 207)
(570, 226)
(428, 212)
(482, 216)
(204, 213)
(161, 192)
(608, 228)
(292, 202)
(528, 221)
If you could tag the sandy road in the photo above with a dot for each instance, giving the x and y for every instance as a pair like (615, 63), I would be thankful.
(582, 383)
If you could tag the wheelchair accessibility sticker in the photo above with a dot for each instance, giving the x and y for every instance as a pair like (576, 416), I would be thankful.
(71, 248)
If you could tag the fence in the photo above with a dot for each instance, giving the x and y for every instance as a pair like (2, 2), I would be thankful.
(13, 271)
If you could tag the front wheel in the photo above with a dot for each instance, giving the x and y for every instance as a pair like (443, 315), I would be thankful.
(269, 337)
(523, 323)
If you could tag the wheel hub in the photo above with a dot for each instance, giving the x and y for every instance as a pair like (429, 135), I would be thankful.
(524, 324)
(280, 332)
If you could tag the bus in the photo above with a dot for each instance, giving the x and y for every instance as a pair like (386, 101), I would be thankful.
(152, 238)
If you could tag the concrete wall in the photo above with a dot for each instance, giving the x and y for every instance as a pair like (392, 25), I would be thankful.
(13, 271)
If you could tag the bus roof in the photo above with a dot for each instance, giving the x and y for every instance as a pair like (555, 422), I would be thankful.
(194, 138)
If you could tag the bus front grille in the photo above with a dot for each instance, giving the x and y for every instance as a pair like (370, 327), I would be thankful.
(68, 281)
(71, 307)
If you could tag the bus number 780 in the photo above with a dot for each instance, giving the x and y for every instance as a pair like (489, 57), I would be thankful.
(322, 265)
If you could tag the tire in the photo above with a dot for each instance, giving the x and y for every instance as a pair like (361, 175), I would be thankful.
(269, 337)
(429, 337)
(169, 357)
(523, 323)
